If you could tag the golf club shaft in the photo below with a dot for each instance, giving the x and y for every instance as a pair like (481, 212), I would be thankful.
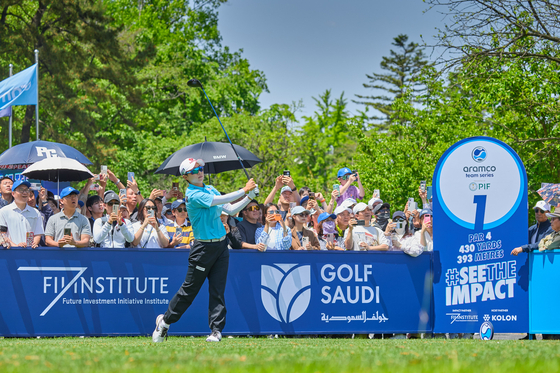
(233, 147)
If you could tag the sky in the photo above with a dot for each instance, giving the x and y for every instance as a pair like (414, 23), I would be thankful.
(305, 47)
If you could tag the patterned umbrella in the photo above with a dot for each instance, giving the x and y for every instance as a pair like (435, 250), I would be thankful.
(550, 193)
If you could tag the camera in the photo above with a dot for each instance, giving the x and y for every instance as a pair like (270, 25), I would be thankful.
(360, 222)
(311, 195)
(286, 173)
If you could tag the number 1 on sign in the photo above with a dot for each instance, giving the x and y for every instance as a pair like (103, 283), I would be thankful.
(480, 202)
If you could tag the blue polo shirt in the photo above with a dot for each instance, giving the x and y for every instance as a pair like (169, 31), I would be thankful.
(204, 217)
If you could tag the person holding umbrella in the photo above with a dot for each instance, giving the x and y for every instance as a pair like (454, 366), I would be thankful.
(209, 255)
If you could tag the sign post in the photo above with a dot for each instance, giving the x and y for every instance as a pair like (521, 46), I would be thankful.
(480, 215)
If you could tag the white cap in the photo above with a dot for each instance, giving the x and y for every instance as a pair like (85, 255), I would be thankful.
(348, 202)
(542, 205)
(360, 207)
(189, 164)
(374, 201)
(340, 209)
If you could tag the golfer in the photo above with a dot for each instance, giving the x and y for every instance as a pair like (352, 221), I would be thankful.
(209, 255)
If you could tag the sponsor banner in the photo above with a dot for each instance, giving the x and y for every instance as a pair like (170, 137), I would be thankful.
(120, 292)
(544, 294)
(480, 214)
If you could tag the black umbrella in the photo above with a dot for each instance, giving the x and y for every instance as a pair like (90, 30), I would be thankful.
(217, 156)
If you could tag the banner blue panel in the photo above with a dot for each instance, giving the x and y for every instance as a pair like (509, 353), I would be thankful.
(480, 215)
(49, 292)
(544, 293)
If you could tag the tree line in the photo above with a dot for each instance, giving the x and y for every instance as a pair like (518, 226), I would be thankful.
(113, 84)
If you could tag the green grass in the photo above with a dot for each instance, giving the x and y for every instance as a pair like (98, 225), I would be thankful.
(266, 355)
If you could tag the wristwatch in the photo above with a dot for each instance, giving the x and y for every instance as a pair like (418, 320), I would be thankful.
(138, 193)
(293, 190)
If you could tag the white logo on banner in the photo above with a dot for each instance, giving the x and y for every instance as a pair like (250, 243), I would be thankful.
(48, 153)
(285, 290)
(80, 271)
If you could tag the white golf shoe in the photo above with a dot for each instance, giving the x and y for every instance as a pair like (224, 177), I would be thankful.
(160, 333)
(216, 336)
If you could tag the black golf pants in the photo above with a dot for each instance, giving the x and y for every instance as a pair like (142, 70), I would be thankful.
(206, 260)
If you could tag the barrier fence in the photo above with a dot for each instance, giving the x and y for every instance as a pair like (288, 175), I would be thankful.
(95, 292)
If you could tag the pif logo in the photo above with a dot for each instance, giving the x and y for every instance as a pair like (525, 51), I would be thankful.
(285, 290)
(479, 186)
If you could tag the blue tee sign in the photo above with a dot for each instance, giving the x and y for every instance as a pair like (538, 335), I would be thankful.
(480, 215)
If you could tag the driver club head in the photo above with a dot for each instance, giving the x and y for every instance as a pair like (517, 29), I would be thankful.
(194, 83)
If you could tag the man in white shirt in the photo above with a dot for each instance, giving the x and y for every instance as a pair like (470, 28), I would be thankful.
(112, 230)
(364, 237)
(11, 216)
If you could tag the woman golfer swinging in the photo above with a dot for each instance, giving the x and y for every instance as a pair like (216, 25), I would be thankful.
(209, 255)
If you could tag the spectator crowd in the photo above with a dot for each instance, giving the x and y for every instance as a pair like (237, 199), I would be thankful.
(97, 216)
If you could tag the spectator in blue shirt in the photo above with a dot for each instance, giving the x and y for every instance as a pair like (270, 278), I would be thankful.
(275, 234)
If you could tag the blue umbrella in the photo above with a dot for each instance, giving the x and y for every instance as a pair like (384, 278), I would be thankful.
(35, 151)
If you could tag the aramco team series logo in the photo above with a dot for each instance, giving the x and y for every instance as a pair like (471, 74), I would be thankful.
(479, 154)
(486, 329)
(285, 290)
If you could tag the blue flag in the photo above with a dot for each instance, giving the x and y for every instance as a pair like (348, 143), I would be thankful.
(20, 89)
(7, 112)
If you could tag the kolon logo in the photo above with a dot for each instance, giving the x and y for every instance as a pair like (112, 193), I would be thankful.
(285, 290)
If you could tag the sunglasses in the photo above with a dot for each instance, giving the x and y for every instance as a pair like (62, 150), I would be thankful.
(151, 208)
(539, 211)
(110, 203)
(304, 214)
(345, 177)
(273, 212)
(399, 220)
(168, 212)
(181, 209)
(195, 171)
(253, 208)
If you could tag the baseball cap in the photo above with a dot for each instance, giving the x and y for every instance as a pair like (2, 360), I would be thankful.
(325, 216)
(286, 189)
(177, 203)
(21, 182)
(67, 191)
(360, 207)
(188, 164)
(298, 210)
(166, 208)
(348, 202)
(380, 206)
(343, 171)
(425, 212)
(542, 205)
(110, 196)
(553, 215)
(303, 199)
(374, 201)
(340, 209)
(399, 214)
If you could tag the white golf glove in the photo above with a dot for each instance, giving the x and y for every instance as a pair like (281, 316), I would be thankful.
(253, 193)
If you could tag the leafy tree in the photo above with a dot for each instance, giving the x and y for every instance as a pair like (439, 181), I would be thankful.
(83, 67)
(324, 143)
(395, 162)
(402, 67)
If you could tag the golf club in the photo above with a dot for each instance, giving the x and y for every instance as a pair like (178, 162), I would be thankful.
(195, 83)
